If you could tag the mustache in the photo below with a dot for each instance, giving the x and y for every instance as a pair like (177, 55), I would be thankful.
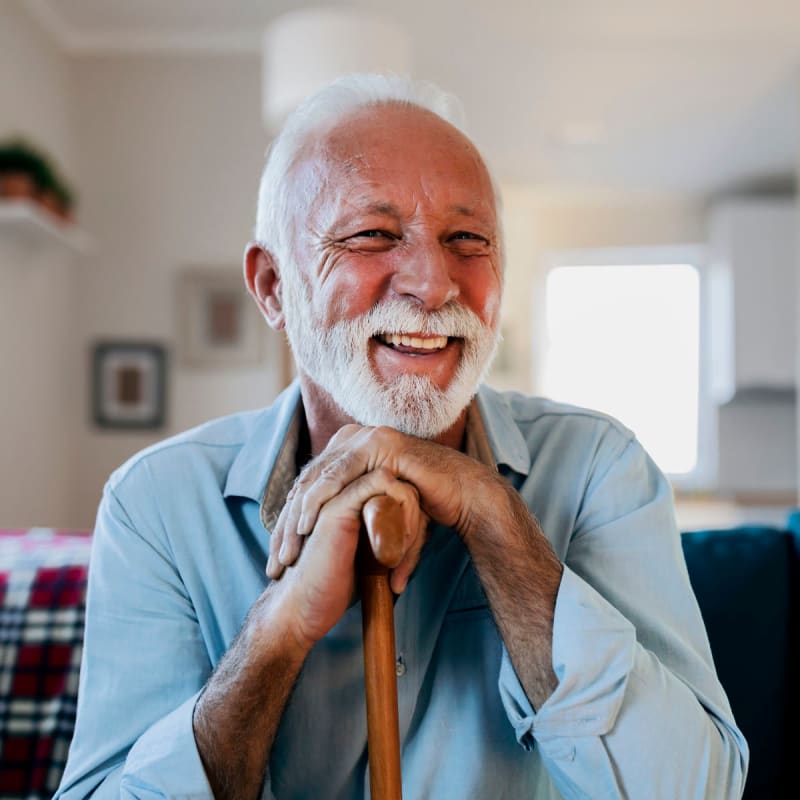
(404, 316)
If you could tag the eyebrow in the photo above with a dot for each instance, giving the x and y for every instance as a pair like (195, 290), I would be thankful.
(382, 207)
(465, 211)
(390, 209)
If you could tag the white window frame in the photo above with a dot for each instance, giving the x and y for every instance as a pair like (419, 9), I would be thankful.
(703, 476)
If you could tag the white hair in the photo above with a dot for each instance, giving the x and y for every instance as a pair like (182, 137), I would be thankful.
(318, 114)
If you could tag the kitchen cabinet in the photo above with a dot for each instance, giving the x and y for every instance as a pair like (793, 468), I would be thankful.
(753, 295)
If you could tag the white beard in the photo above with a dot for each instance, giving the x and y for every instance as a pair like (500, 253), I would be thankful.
(337, 359)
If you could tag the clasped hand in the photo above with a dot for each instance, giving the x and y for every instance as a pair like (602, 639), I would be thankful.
(322, 517)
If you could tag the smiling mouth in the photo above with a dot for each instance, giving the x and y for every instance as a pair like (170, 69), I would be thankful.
(408, 343)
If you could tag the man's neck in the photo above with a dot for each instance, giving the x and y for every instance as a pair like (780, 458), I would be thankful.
(324, 418)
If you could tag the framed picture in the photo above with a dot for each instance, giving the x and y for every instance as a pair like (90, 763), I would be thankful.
(129, 384)
(219, 324)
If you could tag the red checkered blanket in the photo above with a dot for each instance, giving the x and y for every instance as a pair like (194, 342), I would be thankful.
(42, 592)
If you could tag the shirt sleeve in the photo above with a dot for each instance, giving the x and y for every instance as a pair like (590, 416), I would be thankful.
(638, 710)
(144, 664)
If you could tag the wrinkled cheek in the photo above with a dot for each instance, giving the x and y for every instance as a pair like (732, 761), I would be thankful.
(353, 300)
(482, 291)
(489, 312)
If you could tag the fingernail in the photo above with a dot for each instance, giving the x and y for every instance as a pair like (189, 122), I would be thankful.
(302, 525)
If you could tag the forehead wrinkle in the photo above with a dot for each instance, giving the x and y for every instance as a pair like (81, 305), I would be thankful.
(480, 214)
(349, 188)
(348, 208)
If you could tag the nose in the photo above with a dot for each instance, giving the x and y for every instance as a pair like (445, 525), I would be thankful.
(424, 275)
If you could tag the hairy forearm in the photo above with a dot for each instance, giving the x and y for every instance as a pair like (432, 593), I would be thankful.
(238, 713)
(520, 574)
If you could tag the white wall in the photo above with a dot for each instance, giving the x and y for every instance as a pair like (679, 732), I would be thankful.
(171, 151)
(40, 378)
(166, 154)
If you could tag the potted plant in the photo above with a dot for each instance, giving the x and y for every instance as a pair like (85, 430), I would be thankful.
(52, 192)
(65, 201)
(26, 173)
(20, 167)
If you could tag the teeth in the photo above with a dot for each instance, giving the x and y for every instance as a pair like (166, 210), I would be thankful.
(429, 343)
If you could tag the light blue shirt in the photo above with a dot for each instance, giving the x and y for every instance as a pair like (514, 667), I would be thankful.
(179, 557)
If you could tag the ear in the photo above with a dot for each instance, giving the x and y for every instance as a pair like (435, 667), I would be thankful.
(264, 283)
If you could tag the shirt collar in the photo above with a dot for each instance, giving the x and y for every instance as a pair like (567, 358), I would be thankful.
(265, 467)
(264, 442)
(507, 443)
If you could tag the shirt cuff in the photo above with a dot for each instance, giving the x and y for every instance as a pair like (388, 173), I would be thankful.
(593, 655)
(165, 761)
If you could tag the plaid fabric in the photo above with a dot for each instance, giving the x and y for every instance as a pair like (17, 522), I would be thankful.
(42, 593)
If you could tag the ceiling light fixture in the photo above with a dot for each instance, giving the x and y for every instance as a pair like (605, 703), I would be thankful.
(303, 50)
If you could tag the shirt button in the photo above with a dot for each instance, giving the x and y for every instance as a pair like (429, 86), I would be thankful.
(400, 667)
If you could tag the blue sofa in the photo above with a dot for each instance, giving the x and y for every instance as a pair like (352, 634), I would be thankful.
(747, 582)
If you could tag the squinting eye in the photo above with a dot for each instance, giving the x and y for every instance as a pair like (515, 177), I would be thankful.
(469, 236)
(372, 234)
(371, 240)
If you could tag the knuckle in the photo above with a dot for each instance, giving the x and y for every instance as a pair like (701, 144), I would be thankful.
(300, 482)
(344, 433)
(292, 491)
(340, 434)
(384, 474)
(412, 491)
(384, 433)
(332, 470)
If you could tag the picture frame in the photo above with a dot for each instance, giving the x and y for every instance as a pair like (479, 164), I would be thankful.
(219, 325)
(129, 384)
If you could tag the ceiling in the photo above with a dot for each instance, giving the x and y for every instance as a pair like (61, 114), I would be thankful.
(699, 96)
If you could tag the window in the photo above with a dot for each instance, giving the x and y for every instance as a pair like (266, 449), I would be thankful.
(625, 339)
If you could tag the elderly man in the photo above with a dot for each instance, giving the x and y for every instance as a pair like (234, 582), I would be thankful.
(549, 644)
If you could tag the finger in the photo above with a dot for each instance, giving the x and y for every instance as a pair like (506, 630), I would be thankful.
(398, 579)
(325, 463)
(413, 515)
(284, 544)
(330, 480)
(274, 567)
(275, 541)
(339, 523)
(362, 449)
(346, 509)
(290, 513)
(290, 548)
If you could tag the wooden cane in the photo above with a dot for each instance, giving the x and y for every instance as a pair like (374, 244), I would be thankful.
(384, 521)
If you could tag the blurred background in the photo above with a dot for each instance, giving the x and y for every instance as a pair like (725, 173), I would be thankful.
(647, 154)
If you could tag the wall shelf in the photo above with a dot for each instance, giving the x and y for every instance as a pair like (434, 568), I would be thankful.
(25, 224)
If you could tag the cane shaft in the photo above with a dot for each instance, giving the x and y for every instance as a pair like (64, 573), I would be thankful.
(382, 518)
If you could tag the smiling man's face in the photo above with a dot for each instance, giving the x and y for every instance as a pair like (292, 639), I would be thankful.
(393, 308)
